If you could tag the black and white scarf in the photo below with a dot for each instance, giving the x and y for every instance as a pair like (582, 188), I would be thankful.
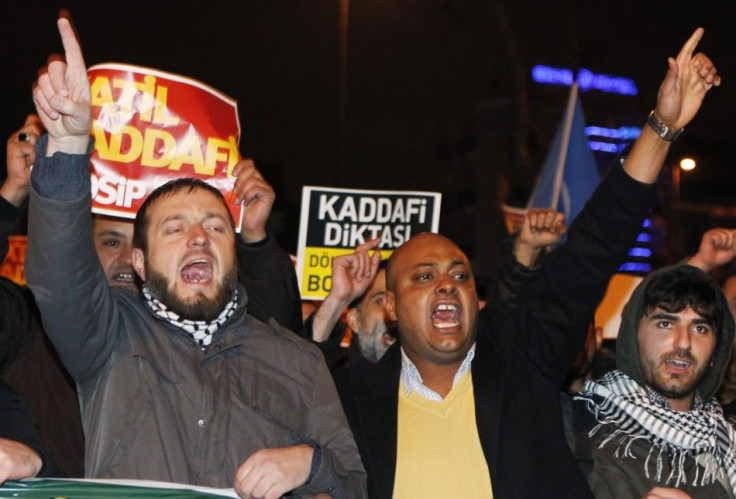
(200, 331)
(639, 413)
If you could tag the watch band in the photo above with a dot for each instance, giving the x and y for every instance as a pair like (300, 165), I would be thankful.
(665, 132)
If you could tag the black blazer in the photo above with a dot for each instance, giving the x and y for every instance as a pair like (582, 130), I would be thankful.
(522, 356)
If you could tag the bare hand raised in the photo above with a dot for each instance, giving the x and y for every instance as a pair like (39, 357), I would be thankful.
(20, 157)
(257, 197)
(685, 85)
(353, 274)
(62, 97)
(717, 247)
(542, 227)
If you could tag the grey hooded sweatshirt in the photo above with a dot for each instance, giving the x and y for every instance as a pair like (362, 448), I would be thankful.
(630, 469)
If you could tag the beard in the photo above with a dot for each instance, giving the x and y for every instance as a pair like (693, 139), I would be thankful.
(198, 308)
(673, 387)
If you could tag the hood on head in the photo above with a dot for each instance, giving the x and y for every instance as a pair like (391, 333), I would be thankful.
(627, 345)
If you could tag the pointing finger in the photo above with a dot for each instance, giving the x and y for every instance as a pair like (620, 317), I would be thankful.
(72, 50)
(686, 52)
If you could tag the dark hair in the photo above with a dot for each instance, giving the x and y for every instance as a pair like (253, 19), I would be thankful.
(683, 287)
(356, 302)
(186, 185)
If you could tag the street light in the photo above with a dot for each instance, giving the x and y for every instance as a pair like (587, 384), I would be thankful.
(686, 164)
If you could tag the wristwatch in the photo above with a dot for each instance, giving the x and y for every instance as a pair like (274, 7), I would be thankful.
(667, 133)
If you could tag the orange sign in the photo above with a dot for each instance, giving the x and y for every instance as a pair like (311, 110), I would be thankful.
(13, 267)
(151, 127)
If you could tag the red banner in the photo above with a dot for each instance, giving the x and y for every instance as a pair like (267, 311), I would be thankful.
(151, 127)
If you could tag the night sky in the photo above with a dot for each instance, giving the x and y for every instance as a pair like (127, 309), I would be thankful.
(438, 96)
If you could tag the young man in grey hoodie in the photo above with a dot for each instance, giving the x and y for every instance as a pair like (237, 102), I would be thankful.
(660, 429)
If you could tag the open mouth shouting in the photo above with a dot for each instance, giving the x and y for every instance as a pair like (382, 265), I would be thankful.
(445, 316)
(197, 271)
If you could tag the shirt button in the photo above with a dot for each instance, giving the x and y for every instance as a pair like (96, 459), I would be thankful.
(201, 423)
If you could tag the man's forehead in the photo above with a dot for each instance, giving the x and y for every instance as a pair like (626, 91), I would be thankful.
(379, 284)
(430, 248)
(195, 200)
(424, 248)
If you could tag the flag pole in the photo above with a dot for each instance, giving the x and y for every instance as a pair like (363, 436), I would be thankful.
(569, 115)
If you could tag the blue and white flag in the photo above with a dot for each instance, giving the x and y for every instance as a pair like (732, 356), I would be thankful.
(570, 174)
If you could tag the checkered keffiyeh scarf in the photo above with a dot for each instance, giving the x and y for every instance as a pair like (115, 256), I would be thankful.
(639, 413)
(200, 331)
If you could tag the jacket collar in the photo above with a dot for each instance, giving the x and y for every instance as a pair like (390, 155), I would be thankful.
(168, 348)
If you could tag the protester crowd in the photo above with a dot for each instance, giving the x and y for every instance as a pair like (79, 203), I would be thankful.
(172, 348)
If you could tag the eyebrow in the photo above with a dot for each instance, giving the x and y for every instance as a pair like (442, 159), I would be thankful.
(674, 318)
(110, 232)
(664, 315)
(454, 263)
(182, 216)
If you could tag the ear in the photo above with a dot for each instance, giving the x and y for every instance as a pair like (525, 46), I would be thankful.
(139, 263)
(389, 305)
(352, 320)
(387, 339)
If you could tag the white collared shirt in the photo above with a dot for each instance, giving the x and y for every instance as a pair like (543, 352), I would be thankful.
(412, 380)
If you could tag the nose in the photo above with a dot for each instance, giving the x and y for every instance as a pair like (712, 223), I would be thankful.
(125, 256)
(198, 237)
(682, 339)
(446, 285)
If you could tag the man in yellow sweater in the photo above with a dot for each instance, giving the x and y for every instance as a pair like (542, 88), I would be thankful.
(468, 404)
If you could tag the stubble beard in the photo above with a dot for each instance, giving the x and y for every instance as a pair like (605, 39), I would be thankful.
(665, 384)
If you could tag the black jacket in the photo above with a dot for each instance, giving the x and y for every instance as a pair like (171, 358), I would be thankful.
(522, 356)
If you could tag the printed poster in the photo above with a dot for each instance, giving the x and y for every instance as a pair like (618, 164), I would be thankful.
(151, 127)
(334, 221)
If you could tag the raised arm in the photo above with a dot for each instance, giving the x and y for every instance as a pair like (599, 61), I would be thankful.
(559, 303)
(688, 79)
(20, 158)
(264, 268)
(352, 275)
(62, 97)
(542, 228)
(717, 247)
(62, 267)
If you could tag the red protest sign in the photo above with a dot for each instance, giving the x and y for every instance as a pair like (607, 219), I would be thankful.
(151, 127)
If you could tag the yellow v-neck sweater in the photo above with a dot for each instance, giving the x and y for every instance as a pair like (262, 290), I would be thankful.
(438, 452)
